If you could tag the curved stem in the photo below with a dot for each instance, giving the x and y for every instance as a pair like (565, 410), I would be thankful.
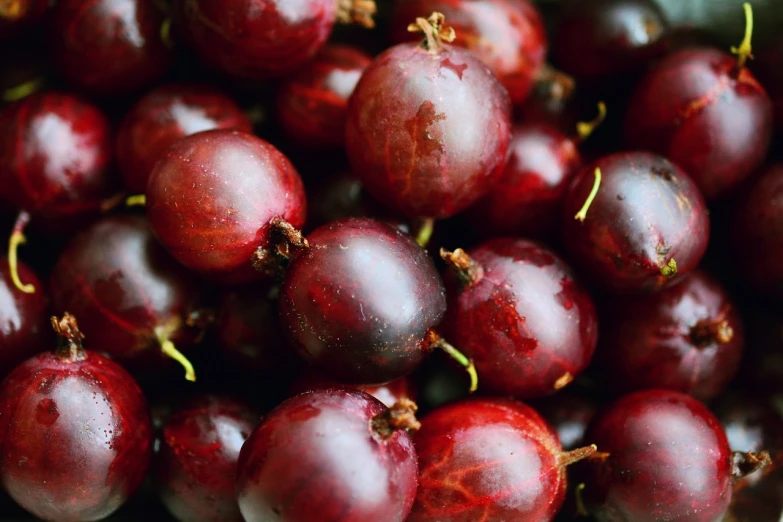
(357, 11)
(580, 503)
(436, 341)
(585, 128)
(137, 200)
(23, 90)
(424, 234)
(582, 214)
(434, 31)
(745, 50)
(168, 348)
(17, 238)
(165, 33)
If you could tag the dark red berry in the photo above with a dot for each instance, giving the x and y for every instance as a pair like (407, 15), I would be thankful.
(24, 323)
(360, 302)
(330, 455)
(516, 310)
(18, 15)
(605, 40)
(428, 126)
(527, 200)
(108, 47)
(196, 465)
(664, 457)
(508, 35)
(389, 393)
(687, 338)
(75, 432)
(646, 227)
(312, 104)
(212, 197)
(270, 38)
(705, 112)
(162, 117)
(133, 300)
(757, 234)
(490, 459)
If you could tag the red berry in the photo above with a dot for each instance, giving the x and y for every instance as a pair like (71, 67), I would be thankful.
(196, 465)
(490, 459)
(527, 200)
(389, 393)
(645, 229)
(687, 338)
(270, 38)
(516, 310)
(508, 35)
(665, 457)
(605, 40)
(757, 234)
(24, 325)
(312, 104)
(329, 455)
(132, 298)
(162, 117)
(428, 127)
(360, 302)
(705, 112)
(212, 197)
(75, 433)
(108, 47)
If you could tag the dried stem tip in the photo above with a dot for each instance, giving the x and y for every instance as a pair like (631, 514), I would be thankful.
(468, 271)
(582, 214)
(743, 464)
(357, 11)
(401, 416)
(708, 332)
(69, 337)
(434, 32)
(285, 242)
(745, 51)
(669, 269)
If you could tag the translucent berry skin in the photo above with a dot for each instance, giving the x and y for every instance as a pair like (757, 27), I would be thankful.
(757, 234)
(606, 39)
(211, 197)
(655, 341)
(388, 393)
(98, 417)
(528, 325)
(24, 323)
(668, 459)
(197, 461)
(507, 35)
(427, 133)
(108, 47)
(359, 302)
(127, 292)
(54, 154)
(527, 200)
(713, 119)
(27, 13)
(312, 103)
(647, 212)
(163, 116)
(473, 453)
(252, 39)
(316, 458)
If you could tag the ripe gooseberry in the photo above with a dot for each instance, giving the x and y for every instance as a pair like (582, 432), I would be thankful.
(428, 126)
(133, 300)
(516, 310)
(663, 456)
(96, 414)
(490, 459)
(705, 111)
(220, 199)
(246, 39)
(330, 455)
(163, 116)
(507, 35)
(687, 338)
(634, 222)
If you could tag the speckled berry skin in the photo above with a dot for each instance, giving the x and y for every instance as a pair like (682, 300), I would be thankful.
(647, 212)
(526, 323)
(360, 301)
(163, 116)
(255, 39)
(428, 131)
(108, 47)
(211, 197)
(668, 459)
(317, 458)
(701, 110)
